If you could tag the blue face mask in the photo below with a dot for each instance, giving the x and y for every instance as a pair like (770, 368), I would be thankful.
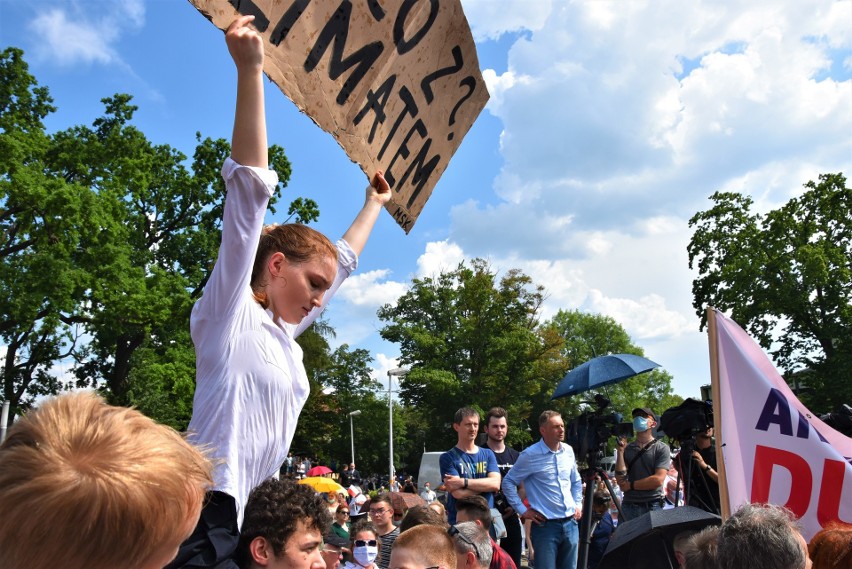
(640, 424)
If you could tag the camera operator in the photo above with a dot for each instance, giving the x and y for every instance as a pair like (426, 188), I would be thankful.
(700, 478)
(641, 467)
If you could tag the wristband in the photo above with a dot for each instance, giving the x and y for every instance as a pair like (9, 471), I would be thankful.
(707, 468)
(465, 482)
(621, 473)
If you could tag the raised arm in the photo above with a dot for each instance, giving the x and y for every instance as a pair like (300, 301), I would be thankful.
(378, 194)
(248, 142)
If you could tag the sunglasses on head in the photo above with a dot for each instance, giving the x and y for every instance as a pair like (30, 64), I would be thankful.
(365, 543)
(454, 531)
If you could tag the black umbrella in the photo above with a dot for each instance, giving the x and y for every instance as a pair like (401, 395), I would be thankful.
(601, 371)
(646, 541)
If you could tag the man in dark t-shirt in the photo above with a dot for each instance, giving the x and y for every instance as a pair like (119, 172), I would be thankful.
(700, 478)
(496, 429)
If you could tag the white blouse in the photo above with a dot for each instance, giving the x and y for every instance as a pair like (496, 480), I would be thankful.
(251, 384)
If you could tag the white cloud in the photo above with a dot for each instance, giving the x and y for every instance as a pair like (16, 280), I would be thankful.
(628, 116)
(439, 257)
(365, 289)
(69, 35)
(490, 19)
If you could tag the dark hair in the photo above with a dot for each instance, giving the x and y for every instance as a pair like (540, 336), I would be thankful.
(421, 515)
(299, 244)
(495, 413)
(362, 525)
(546, 416)
(702, 549)
(601, 498)
(383, 497)
(464, 412)
(273, 512)
(477, 507)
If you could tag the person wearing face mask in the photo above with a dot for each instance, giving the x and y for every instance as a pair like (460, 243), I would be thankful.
(641, 467)
(365, 546)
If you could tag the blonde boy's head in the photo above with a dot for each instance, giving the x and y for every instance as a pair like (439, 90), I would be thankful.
(423, 546)
(87, 485)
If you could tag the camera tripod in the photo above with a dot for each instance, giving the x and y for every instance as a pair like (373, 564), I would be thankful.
(587, 523)
(691, 478)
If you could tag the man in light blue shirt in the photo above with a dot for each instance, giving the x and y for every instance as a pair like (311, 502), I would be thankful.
(554, 491)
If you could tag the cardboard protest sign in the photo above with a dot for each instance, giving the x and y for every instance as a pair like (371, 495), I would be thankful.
(396, 82)
(774, 449)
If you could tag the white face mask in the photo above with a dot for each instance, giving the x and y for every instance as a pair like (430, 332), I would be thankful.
(365, 556)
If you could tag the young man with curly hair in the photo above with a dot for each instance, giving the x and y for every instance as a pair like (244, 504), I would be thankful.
(282, 527)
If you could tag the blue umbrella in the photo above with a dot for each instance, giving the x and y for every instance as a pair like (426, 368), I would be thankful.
(600, 371)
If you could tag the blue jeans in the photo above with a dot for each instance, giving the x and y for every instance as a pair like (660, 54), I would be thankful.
(555, 544)
(634, 510)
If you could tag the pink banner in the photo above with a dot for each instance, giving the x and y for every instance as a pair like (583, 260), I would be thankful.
(774, 449)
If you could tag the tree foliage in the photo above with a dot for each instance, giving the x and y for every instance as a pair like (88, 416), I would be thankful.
(106, 240)
(470, 339)
(589, 336)
(786, 277)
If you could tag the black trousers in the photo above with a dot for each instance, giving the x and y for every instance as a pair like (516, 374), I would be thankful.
(214, 541)
(513, 540)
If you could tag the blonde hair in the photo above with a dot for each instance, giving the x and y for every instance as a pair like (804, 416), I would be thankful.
(299, 243)
(431, 544)
(84, 484)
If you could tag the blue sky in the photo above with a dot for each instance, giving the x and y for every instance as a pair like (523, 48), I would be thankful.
(609, 125)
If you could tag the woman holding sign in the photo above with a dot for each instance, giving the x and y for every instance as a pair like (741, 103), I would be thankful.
(268, 285)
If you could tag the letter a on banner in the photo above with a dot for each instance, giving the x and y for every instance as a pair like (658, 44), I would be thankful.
(772, 448)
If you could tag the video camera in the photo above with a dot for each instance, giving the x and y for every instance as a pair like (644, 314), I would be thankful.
(591, 430)
(686, 420)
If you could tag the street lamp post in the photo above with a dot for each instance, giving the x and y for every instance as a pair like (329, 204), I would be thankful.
(352, 432)
(398, 372)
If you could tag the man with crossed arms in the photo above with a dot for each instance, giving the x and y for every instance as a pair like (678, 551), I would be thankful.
(555, 492)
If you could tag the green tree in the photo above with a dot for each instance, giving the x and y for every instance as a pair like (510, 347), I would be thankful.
(470, 339)
(107, 240)
(588, 336)
(786, 277)
(42, 219)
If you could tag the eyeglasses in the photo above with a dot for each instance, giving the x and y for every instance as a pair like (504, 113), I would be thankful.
(365, 543)
(381, 512)
(454, 531)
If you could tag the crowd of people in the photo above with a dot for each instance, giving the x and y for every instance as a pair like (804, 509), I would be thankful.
(84, 484)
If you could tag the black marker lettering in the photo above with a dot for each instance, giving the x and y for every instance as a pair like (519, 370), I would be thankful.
(409, 109)
(403, 45)
(376, 102)
(288, 20)
(249, 8)
(425, 84)
(401, 217)
(419, 166)
(376, 9)
(337, 30)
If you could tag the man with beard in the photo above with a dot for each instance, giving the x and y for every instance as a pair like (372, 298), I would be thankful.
(496, 429)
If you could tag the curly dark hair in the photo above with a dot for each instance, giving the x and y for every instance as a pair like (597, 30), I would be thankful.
(273, 512)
